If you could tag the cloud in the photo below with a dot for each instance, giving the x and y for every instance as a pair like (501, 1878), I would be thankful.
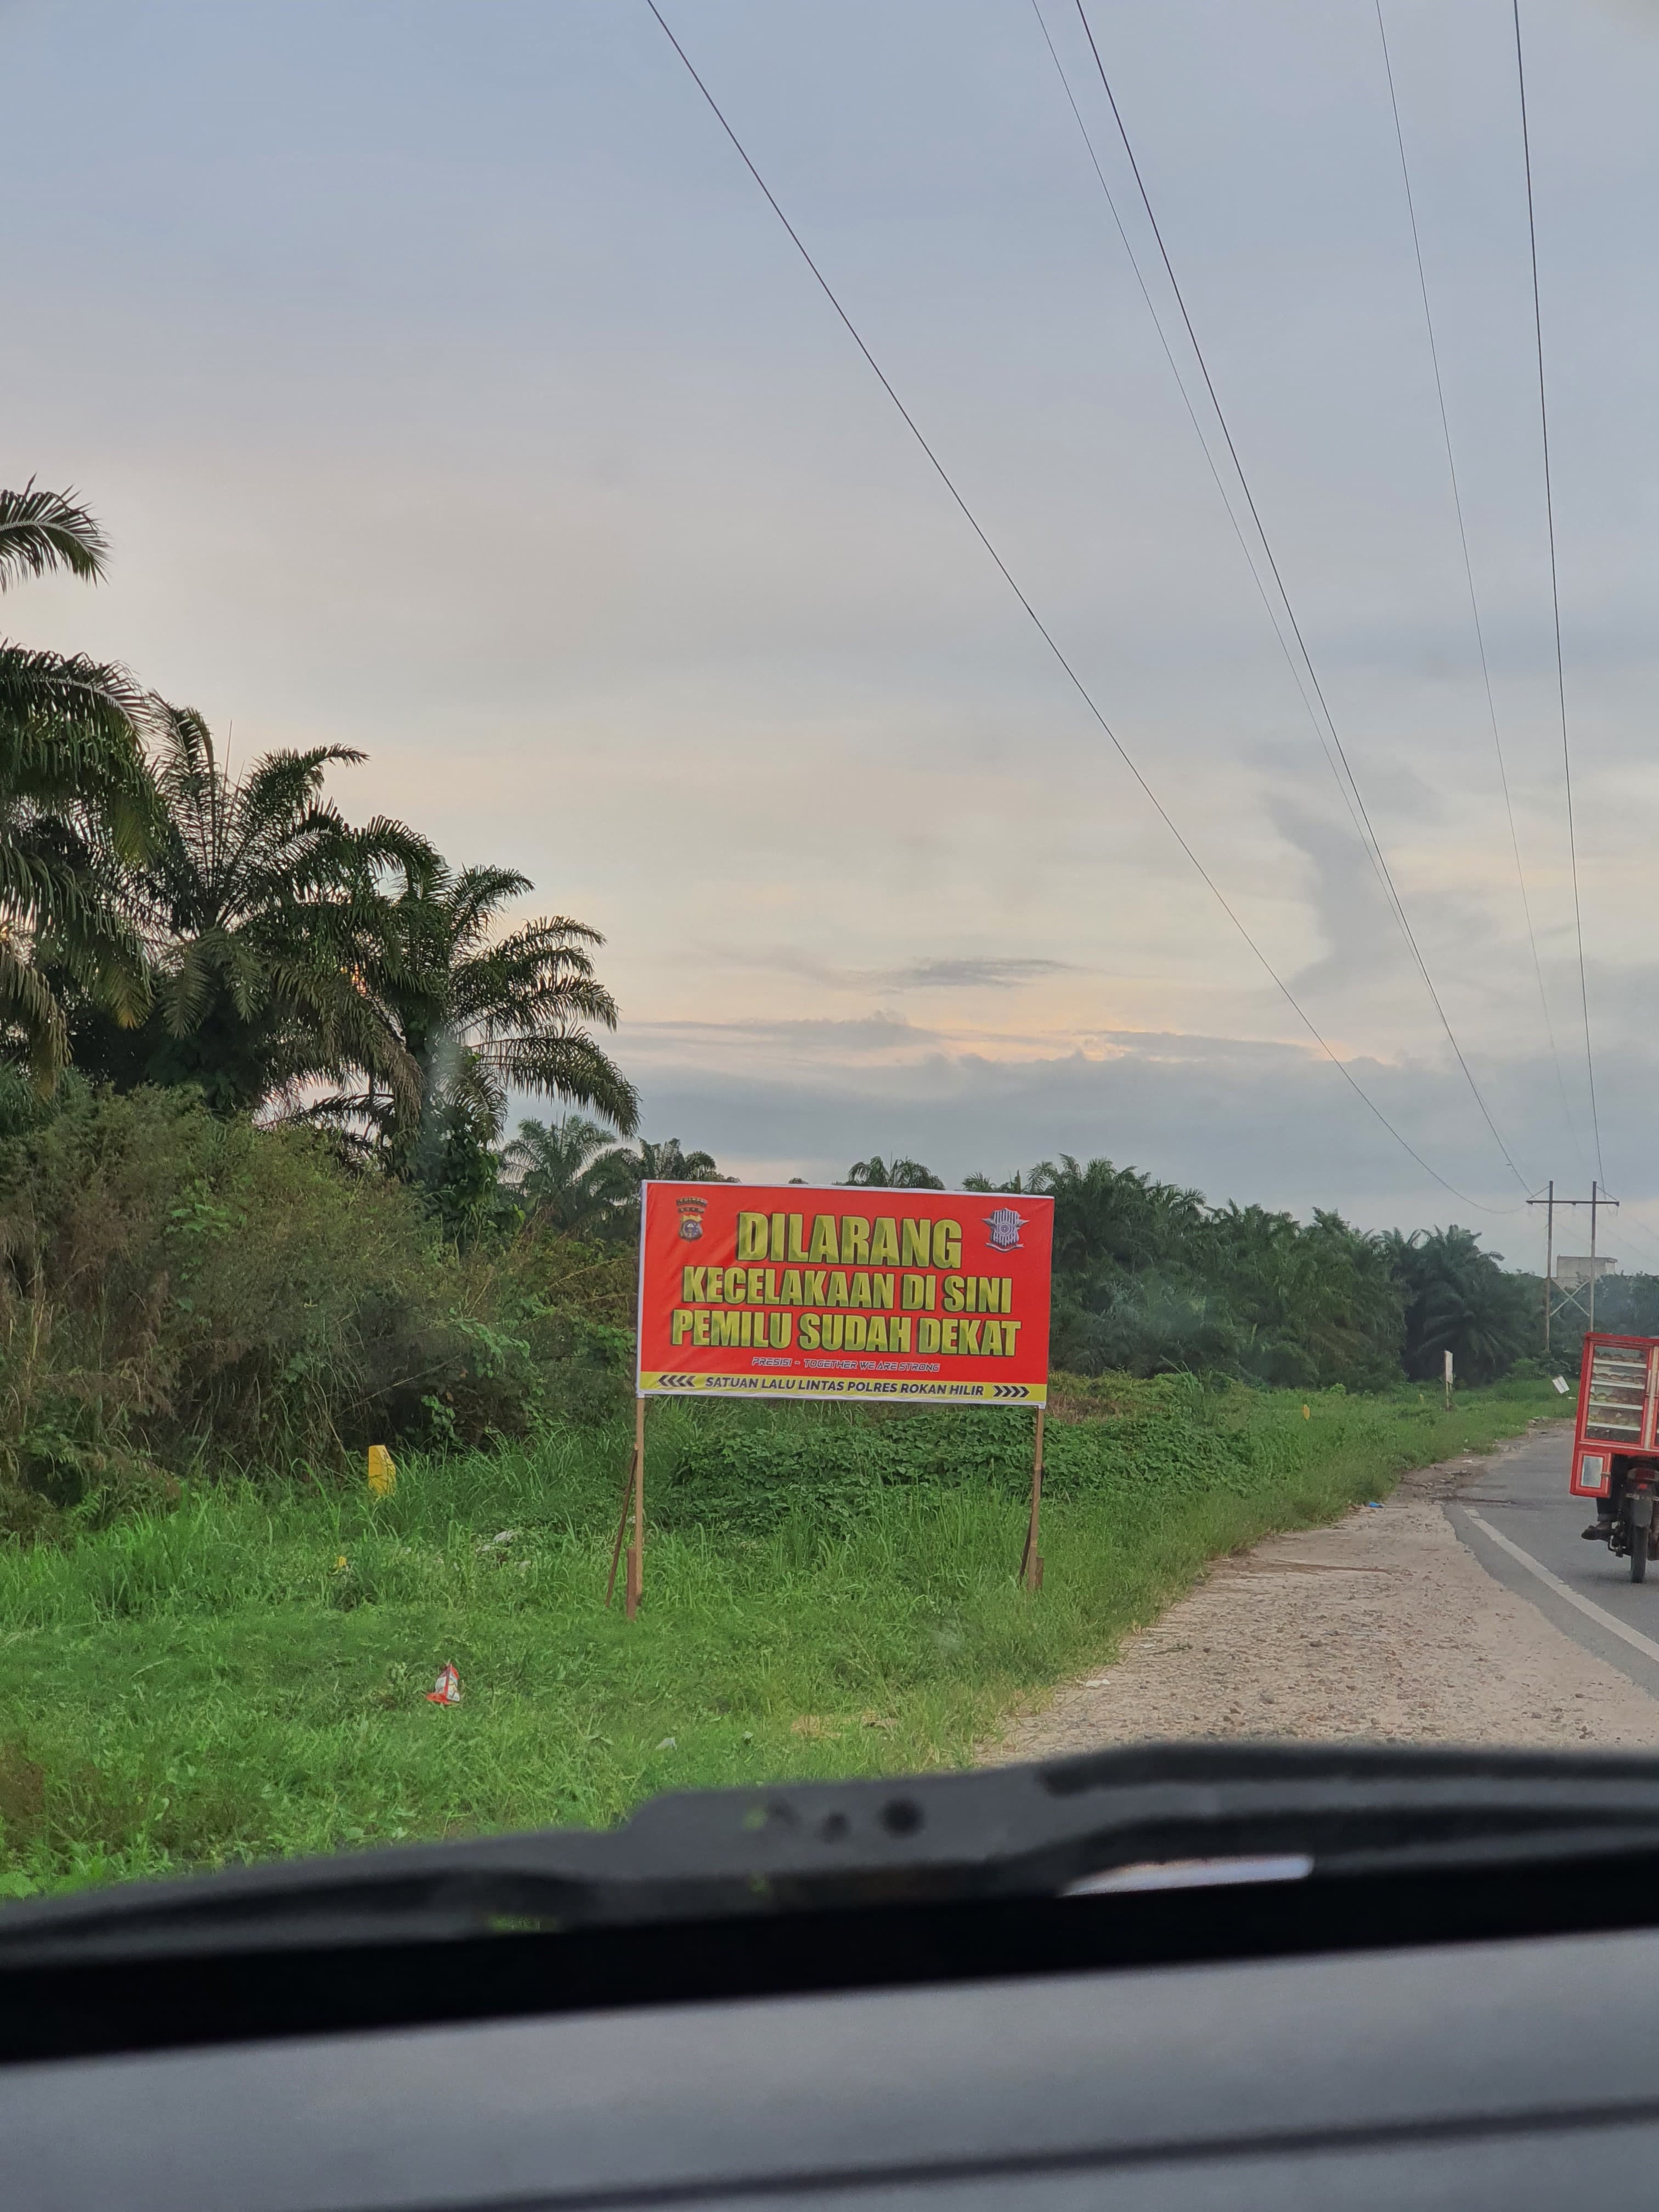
(970, 974)
(1259, 1119)
(816, 1037)
(1161, 1105)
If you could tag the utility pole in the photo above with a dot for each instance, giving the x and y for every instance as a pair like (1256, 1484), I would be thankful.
(1596, 1201)
(1549, 1255)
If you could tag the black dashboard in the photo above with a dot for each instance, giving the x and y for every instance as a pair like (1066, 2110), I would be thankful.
(1517, 2074)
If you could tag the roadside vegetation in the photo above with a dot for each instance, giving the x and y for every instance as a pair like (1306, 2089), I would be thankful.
(829, 1592)
(187, 1295)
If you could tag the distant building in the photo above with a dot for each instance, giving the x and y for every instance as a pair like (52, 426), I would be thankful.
(1573, 1271)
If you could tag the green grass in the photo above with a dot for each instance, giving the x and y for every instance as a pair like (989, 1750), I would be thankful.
(827, 1593)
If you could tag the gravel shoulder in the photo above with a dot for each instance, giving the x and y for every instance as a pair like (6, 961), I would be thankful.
(1383, 1626)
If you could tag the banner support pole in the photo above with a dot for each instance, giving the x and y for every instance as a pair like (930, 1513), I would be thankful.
(634, 1585)
(622, 1531)
(1030, 1566)
(634, 1479)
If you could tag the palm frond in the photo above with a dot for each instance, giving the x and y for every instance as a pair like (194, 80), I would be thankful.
(570, 1067)
(41, 531)
(29, 1008)
(470, 897)
(66, 720)
(559, 1151)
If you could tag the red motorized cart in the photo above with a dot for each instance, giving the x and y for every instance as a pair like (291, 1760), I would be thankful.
(1615, 1450)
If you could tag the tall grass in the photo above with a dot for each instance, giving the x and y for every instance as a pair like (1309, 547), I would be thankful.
(244, 1674)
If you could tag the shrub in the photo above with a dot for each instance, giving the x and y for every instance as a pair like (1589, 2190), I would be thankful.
(171, 1283)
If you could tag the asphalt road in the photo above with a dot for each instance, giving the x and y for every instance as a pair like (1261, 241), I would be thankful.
(1516, 1517)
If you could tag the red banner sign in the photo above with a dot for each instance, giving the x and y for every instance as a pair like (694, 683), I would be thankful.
(754, 1290)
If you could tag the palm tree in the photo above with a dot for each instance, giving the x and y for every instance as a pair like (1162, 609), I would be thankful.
(667, 1161)
(555, 1168)
(619, 1173)
(1115, 1214)
(1458, 1299)
(262, 909)
(480, 1015)
(1315, 1302)
(878, 1174)
(76, 803)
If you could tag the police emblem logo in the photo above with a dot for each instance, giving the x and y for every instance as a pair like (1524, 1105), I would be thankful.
(691, 1213)
(1004, 1225)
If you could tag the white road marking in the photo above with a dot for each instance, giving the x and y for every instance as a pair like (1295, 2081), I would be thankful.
(1645, 1644)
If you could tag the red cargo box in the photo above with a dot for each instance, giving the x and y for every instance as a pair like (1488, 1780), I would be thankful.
(1618, 1405)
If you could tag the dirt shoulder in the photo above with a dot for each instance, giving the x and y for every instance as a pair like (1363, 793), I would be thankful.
(1383, 1626)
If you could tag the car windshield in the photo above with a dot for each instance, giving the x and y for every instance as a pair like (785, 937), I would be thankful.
(821, 930)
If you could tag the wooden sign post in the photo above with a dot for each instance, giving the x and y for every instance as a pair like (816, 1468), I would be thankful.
(904, 1297)
(636, 1584)
(634, 1499)
(1030, 1566)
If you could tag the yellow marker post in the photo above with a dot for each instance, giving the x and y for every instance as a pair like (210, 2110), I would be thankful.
(382, 1473)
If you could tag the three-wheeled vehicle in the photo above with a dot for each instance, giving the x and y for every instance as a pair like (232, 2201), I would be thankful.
(1615, 1452)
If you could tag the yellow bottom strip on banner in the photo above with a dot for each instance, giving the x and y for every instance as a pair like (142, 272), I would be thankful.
(678, 1384)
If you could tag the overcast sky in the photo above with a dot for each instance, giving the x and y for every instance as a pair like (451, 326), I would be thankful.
(448, 389)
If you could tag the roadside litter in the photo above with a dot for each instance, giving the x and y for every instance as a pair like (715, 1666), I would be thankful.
(447, 1690)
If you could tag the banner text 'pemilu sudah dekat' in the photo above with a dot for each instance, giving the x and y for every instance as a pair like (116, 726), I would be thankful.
(748, 1290)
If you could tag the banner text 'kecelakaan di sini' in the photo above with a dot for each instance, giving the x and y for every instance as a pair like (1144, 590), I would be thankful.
(751, 1289)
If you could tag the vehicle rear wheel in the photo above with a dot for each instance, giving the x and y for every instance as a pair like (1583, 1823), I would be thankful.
(1638, 1555)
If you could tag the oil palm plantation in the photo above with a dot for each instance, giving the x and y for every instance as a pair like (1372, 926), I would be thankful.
(1117, 1215)
(263, 910)
(479, 1012)
(665, 1161)
(1314, 1302)
(896, 1174)
(1458, 1299)
(1149, 1278)
(556, 1169)
(76, 805)
(618, 1174)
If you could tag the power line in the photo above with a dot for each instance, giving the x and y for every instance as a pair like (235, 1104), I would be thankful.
(1048, 637)
(1198, 431)
(1368, 842)
(1555, 587)
(1468, 573)
(1267, 547)
(1629, 1221)
(1633, 1221)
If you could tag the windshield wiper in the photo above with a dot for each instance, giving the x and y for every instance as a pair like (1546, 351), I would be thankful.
(1009, 1832)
